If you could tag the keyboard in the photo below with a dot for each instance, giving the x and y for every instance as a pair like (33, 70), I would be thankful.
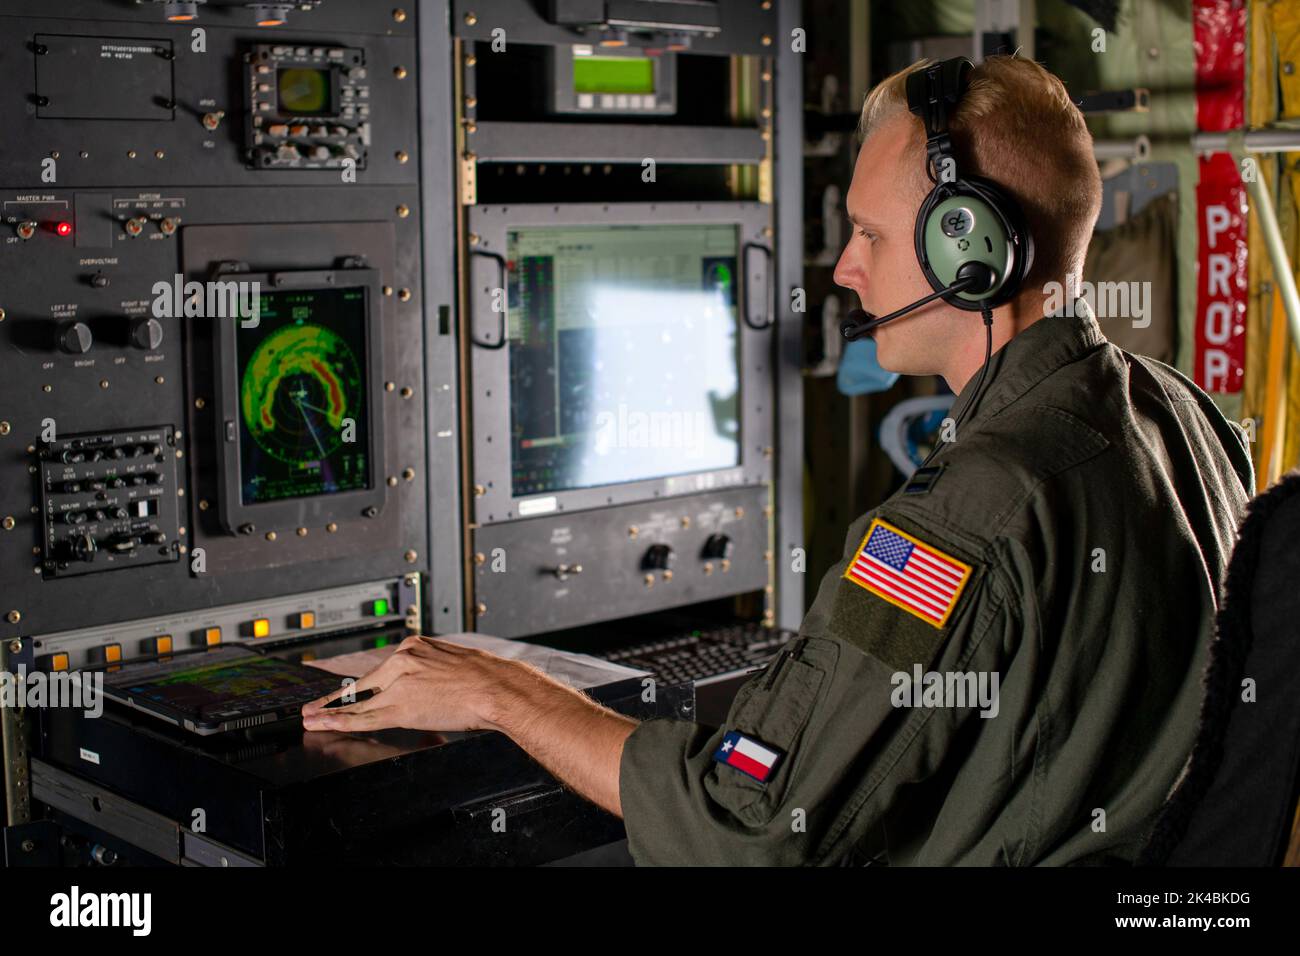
(705, 656)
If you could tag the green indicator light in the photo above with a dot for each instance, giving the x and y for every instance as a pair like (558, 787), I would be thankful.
(381, 642)
(380, 607)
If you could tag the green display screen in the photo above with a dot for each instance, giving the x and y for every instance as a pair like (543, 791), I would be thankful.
(613, 74)
(306, 92)
(303, 396)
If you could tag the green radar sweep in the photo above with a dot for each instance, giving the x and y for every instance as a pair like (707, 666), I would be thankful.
(297, 389)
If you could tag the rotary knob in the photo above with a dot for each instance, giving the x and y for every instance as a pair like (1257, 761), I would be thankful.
(146, 333)
(717, 546)
(84, 547)
(75, 338)
(658, 557)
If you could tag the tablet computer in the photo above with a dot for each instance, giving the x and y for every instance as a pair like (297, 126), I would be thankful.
(218, 689)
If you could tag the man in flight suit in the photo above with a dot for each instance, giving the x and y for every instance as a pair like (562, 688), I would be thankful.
(1005, 667)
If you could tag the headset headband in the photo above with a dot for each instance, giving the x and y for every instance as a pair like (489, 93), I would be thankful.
(932, 94)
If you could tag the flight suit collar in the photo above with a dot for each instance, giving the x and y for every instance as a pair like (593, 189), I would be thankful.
(1047, 345)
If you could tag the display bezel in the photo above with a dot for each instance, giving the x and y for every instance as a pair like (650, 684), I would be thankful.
(314, 510)
(489, 389)
(563, 97)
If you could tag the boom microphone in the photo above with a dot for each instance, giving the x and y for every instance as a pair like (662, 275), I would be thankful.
(859, 323)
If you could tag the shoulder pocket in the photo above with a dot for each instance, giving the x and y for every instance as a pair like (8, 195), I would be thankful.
(773, 709)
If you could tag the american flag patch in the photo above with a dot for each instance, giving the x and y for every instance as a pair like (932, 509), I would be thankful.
(908, 573)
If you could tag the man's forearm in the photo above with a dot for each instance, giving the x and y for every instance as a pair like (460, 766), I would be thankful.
(573, 737)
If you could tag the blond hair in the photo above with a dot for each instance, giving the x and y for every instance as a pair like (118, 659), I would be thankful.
(1017, 126)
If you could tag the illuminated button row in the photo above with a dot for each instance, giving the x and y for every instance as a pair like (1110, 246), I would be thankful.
(261, 626)
(306, 620)
(160, 645)
(107, 654)
(207, 637)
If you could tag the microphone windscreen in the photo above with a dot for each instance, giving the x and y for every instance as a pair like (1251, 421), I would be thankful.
(851, 327)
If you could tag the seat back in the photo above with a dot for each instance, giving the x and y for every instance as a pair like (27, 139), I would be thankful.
(1235, 804)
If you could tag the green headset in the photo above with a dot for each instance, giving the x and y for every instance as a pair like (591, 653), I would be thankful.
(967, 228)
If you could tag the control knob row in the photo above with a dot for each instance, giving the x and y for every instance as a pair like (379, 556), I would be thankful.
(70, 457)
(659, 557)
(75, 337)
(84, 546)
(135, 226)
(98, 514)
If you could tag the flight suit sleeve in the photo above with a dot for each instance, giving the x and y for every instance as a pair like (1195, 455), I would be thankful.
(836, 707)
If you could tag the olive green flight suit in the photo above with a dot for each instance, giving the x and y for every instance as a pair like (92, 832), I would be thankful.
(1094, 496)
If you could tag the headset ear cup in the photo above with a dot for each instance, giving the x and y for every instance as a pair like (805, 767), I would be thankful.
(1017, 228)
(986, 238)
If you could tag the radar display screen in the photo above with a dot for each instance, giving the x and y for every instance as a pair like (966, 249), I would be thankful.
(303, 396)
(624, 353)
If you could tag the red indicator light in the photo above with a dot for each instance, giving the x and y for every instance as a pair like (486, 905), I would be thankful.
(63, 228)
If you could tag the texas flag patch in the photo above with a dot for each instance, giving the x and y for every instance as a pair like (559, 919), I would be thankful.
(908, 573)
(748, 756)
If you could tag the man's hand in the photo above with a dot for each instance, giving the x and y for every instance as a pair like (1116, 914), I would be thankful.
(425, 685)
(435, 685)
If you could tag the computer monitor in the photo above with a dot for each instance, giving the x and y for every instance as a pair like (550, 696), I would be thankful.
(617, 353)
(624, 353)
